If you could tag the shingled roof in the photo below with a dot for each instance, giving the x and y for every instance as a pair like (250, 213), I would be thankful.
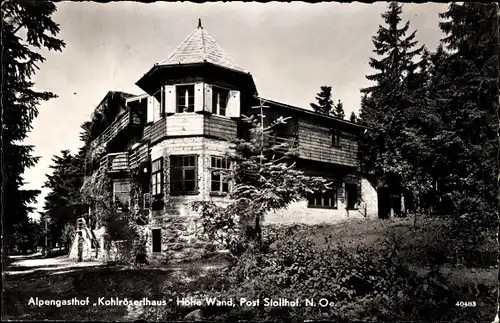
(200, 47)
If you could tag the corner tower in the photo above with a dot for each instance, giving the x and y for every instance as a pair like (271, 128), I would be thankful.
(198, 76)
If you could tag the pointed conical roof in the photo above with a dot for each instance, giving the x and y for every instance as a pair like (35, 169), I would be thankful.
(200, 47)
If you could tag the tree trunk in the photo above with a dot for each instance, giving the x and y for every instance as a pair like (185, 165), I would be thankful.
(258, 231)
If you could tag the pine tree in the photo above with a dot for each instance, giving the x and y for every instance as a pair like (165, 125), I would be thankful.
(420, 124)
(353, 118)
(26, 26)
(324, 99)
(467, 147)
(385, 105)
(62, 203)
(339, 110)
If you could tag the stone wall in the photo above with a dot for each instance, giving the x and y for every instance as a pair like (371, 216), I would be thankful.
(369, 198)
(299, 212)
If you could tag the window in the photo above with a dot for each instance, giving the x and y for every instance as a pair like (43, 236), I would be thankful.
(219, 175)
(156, 177)
(121, 193)
(185, 98)
(335, 138)
(352, 195)
(326, 200)
(219, 101)
(156, 237)
(183, 175)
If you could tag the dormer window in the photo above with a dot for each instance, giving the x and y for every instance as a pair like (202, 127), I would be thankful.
(185, 98)
(219, 101)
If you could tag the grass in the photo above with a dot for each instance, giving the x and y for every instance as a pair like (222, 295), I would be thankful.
(420, 244)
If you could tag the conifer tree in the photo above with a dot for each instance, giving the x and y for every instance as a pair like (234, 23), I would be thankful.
(62, 203)
(263, 181)
(385, 105)
(353, 118)
(339, 110)
(467, 146)
(26, 27)
(324, 100)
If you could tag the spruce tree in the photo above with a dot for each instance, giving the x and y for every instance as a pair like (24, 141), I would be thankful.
(62, 203)
(353, 118)
(384, 105)
(324, 99)
(467, 144)
(339, 110)
(263, 181)
(26, 27)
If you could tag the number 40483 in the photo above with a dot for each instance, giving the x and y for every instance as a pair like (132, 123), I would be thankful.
(466, 304)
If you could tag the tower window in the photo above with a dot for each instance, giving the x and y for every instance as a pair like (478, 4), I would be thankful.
(220, 174)
(157, 177)
(183, 175)
(219, 101)
(185, 98)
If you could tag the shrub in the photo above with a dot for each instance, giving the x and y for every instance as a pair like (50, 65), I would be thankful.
(293, 267)
(364, 283)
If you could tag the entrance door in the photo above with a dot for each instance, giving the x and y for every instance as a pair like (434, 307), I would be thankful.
(384, 203)
(352, 195)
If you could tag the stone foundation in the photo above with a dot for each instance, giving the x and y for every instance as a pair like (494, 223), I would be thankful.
(181, 239)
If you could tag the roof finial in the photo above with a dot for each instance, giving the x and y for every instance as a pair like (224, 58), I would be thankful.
(199, 23)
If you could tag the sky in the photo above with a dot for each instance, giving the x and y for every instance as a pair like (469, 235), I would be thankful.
(291, 50)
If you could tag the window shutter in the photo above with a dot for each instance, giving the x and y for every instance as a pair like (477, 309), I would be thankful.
(150, 111)
(233, 104)
(162, 101)
(198, 97)
(156, 110)
(170, 99)
(208, 98)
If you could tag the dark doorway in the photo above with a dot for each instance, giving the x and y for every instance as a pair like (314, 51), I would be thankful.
(384, 203)
(352, 195)
(396, 204)
(156, 237)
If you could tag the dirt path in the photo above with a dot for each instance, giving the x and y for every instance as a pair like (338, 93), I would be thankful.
(36, 263)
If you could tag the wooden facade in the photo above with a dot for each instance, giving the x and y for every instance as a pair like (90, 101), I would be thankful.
(315, 143)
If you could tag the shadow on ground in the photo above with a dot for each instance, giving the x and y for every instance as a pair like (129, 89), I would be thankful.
(60, 278)
(29, 264)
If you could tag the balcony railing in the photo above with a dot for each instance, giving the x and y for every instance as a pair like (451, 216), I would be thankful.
(114, 129)
(115, 162)
(138, 155)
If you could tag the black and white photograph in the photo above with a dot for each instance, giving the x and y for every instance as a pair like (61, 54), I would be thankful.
(245, 161)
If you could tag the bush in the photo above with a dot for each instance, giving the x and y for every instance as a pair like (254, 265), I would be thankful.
(379, 283)
(363, 282)
(293, 267)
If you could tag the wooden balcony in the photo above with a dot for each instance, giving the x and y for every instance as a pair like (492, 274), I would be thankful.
(113, 130)
(115, 162)
(138, 155)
